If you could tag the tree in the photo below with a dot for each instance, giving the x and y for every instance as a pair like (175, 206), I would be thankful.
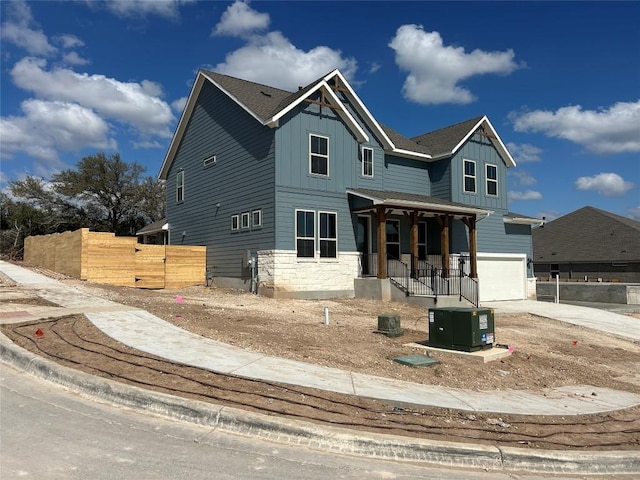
(102, 194)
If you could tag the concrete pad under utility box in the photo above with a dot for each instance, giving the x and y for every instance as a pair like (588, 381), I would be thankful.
(487, 355)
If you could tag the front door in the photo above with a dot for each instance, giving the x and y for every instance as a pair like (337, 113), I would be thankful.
(363, 243)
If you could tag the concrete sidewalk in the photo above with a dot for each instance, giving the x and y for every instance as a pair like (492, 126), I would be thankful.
(596, 319)
(145, 332)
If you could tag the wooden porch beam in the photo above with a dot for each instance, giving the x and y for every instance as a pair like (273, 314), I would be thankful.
(444, 221)
(381, 216)
(470, 222)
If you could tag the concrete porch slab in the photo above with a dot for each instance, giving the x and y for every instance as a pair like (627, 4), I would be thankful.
(484, 356)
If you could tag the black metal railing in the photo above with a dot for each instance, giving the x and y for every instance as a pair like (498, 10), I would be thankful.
(423, 278)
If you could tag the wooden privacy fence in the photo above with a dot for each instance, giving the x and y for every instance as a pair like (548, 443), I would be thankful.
(105, 258)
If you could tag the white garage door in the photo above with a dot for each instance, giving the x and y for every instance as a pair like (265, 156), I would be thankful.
(502, 276)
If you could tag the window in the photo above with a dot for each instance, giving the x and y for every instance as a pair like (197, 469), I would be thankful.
(393, 239)
(180, 186)
(235, 222)
(422, 240)
(305, 233)
(367, 162)
(328, 235)
(492, 179)
(245, 220)
(256, 218)
(319, 155)
(469, 176)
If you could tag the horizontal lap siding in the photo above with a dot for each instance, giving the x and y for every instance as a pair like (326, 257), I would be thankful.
(240, 181)
(289, 200)
(406, 175)
(440, 176)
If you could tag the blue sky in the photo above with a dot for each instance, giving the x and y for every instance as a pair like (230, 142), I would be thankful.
(559, 81)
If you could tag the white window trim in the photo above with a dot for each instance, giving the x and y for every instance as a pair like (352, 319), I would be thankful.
(465, 176)
(320, 212)
(245, 215)
(487, 179)
(210, 160)
(319, 155)
(236, 219)
(296, 237)
(180, 186)
(363, 161)
(257, 224)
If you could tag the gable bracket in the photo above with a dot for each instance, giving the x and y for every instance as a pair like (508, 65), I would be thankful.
(323, 101)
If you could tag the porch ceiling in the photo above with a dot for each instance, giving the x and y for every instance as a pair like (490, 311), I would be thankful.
(400, 201)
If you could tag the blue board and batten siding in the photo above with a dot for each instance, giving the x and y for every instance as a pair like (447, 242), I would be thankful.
(242, 180)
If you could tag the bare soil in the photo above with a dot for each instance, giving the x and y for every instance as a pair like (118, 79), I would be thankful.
(546, 353)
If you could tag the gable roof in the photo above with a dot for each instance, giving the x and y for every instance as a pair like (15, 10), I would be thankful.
(446, 141)
(157, 226)
(587, 235)
(269, 104)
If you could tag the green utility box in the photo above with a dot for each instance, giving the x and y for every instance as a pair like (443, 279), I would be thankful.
(457, 328)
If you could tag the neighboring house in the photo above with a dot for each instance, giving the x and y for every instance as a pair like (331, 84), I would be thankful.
(156, 233)
(589, 244)
(331, 203)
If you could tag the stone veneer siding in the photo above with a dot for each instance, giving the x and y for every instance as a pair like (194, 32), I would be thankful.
(282, 274)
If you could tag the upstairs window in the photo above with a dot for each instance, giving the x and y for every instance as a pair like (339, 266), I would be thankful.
(319, 155)
(492, 179)
(328, 235)
(180, 186)
(367, 162)
(469, 176)
(305, 233)
(256, 220)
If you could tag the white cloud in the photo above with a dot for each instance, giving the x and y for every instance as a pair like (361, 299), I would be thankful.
(523, 178)
(273, 60)
(607, 130)
(514, 195)
(240, 20)
(72, 58)
(607, 184)
(133, 103)
(375, 66)
(524, 152)
(178, 105)
(141, 8)
(148, 144)
(49, 127)
(69, 41)
(21, 30)
(634, 212)
(435, 70)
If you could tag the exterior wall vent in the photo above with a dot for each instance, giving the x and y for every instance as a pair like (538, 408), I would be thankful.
(210, 161)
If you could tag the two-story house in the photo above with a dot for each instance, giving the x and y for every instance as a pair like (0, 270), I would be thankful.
(328, 202)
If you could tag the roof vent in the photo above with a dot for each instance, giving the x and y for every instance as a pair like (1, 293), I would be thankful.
(300, 88)
(265, 93)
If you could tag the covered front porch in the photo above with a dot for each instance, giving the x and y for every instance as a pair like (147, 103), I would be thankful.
(436, 260)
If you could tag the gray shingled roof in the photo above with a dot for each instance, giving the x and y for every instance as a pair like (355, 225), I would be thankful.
(402, 142)
(518, 215)
(263, 100)
(153, 227)
(444, 140)
(587, 235)
(389, 197)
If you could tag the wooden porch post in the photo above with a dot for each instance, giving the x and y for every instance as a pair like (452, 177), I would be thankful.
(470, 222)
(444, 244)
(414, 243)
(382, 242)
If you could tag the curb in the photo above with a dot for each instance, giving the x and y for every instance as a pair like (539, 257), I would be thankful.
(330, 439)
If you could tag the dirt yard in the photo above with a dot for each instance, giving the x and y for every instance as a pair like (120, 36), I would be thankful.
(546, 353)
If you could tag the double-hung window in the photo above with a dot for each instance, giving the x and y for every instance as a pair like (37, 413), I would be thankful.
(305, 233)
(180, 186)
(318, 155)
(492, 179)
(469, 176)
(367, 162)
(328, 235)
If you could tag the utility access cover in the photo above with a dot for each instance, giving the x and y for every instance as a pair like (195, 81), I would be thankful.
(416, 361)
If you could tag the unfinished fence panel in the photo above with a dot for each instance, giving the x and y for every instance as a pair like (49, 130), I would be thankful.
(149, 266)
(104, 258)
